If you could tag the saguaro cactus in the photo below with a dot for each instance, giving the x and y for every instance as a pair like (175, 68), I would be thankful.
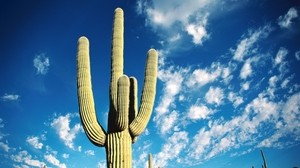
(264, 159)
(125, 121)
(150, 161)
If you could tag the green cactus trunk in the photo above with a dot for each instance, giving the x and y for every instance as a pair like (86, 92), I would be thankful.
(150, 161)
(125, 121)
(118, 149)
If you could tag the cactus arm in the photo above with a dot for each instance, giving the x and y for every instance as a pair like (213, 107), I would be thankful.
(148, 94)
(264, 159)
(116, 54)
(122, 103)
(93, 129)
(133, 103)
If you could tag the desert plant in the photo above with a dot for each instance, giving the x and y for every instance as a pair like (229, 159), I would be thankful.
(150, 161)
(125, 121)
(264, 159)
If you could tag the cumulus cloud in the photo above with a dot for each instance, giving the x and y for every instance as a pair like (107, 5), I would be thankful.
(197, 112)
(172, 149)
(23, 157)
(221, 136)
(201, 77)
(10, 97)
(182, 19)
(41, 63)
(285, 21)
(62, 126)
(214, 96)
(54, 161)
(198, 31)
(246, 70)
(235, 99)
(34, 141)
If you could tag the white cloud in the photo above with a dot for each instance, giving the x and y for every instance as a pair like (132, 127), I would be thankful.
(101, 164)
(54, 161)
(10, 97)
(4, 146)
(246, 70)
(171, 149)
(167, 122)
(222, 135)
(247, 44)
(198, 31)
(34, 141)
(197, 112)
(41, 63)
(90, 152)
(62, 126)
(201, 77)
(297, 55)
(34, 163)
(236, 100)
(167, 13)
(214, 96)
(291, 114)
(24, 157)
(280, 61)
(176, 18)
(280, 56)
(273, 80)
(66, 156)
(286, 20)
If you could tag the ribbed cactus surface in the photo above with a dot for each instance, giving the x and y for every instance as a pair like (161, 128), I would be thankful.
(150, 161)
(125, 121)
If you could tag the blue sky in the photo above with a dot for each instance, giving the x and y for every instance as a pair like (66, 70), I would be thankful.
(228, 81)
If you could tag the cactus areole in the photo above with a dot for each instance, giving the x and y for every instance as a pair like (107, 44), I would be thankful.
(125, 120)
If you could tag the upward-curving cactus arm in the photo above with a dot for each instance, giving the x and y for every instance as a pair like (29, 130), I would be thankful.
(138, 125)
(116, 54)
(93, 129)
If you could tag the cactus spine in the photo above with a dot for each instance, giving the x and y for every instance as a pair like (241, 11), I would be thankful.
(125, 121)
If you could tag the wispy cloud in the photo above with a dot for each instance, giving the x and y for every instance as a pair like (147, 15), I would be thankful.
(24, 159)
(10, 97)
(189, 19)
(90, 152)
(54, 161)
(246, 45)
(67, 134)
(41, 63)
(176, 143)
(190, 92)
(285, 21)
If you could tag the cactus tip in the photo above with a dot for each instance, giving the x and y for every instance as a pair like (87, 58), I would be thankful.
(118, 10)
(152, 51)
(83, 39)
